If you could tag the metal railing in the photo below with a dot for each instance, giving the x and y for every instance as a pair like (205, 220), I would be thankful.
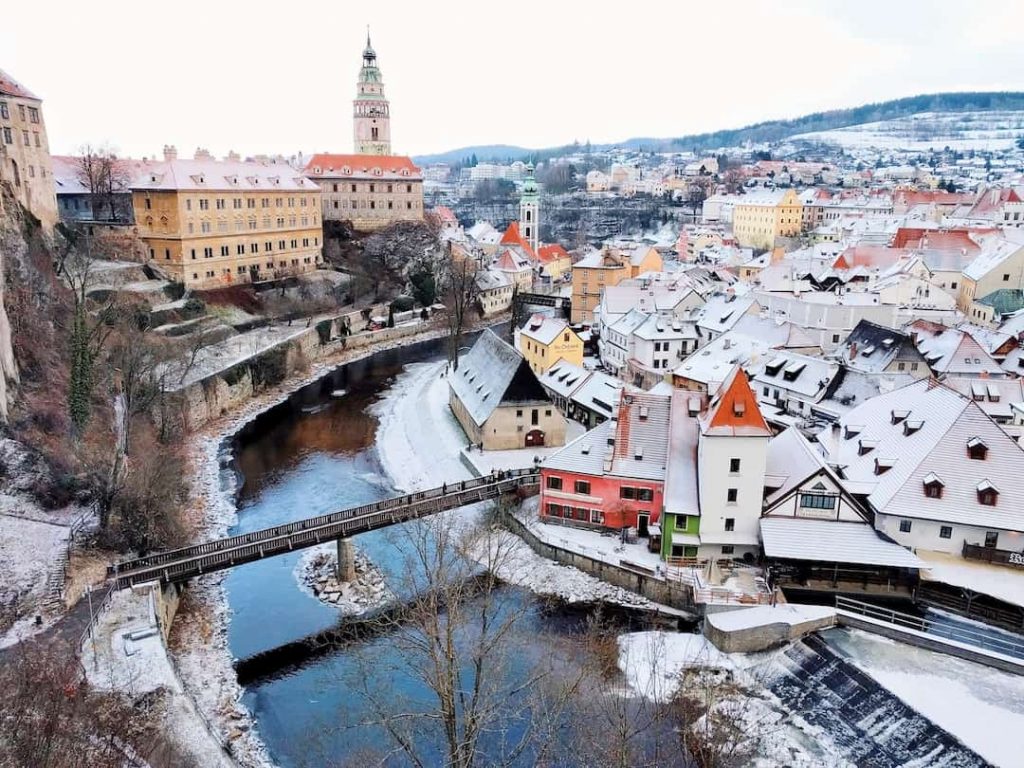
(184, 563)
(974, 637)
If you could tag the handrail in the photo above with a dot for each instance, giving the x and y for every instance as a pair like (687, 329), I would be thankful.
(185, 562)
(966, 635)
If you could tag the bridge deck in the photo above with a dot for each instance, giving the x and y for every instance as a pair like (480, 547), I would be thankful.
(187, 562)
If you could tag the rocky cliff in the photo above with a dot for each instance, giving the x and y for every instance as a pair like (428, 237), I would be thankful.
(9, 230)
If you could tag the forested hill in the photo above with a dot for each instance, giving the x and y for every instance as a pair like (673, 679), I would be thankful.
(770, 130)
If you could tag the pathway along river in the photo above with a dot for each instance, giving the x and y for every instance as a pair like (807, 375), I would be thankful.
(313, 454)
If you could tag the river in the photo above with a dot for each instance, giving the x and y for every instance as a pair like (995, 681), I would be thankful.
(309, 455)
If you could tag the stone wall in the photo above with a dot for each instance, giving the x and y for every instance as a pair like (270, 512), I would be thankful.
(764, 636)
(222, 392)
(660, 591)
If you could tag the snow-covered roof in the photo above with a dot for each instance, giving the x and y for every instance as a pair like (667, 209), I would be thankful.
(945, 422)
(952, 351)
(598, 393)
(209, 174)
(805, 375)
(544, 329)
(722, 311)
(492, 279)
(656, 328)
(493, 373)
(994, 252)
(633, 444)
(681, 482)
(871, 347)
(832, 541)
(564, 378)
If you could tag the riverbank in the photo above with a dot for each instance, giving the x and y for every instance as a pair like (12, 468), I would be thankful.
(199, 644)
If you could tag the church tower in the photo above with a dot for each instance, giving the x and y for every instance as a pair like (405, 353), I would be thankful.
(529, 210)
(371, 114)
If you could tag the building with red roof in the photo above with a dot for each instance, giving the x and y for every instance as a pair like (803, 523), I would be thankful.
(370, 191)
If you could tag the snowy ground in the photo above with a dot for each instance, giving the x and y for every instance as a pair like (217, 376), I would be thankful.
(982, 707)
(114, 661)
(29, 552)
(990, 130)
(488, 461)
(998, 581)
(653, 664)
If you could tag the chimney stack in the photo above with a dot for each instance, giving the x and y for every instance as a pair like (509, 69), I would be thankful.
(233, 156)
(170, 152)
(203, 154)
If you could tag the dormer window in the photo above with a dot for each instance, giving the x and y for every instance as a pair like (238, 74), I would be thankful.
(852, 430)
(987, 493)
(933, 486)
(976, 449)
(643, 413)
(898, 416)
(866, 446)
(316, 169)
(638, 454)
(911, 426)
(738, 408)
(883, 465)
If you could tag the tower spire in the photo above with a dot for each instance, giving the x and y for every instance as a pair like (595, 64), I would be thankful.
(368, 36)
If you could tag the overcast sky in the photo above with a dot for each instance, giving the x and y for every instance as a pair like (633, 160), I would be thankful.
(250, 77)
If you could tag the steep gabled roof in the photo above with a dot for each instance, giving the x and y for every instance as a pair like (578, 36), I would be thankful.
(512, 237)
(734, 410)
(493, 373)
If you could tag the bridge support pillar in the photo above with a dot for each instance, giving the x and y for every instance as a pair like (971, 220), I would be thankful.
(346, 560)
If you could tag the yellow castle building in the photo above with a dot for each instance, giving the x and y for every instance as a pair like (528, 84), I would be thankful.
(211, 223)
(760, 218)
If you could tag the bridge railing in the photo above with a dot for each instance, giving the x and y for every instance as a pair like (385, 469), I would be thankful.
(191, 561)
(233, 542)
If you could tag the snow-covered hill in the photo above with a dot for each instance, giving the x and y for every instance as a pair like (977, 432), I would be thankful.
(991, 130)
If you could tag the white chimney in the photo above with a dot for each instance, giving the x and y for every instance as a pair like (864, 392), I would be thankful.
(170, 152)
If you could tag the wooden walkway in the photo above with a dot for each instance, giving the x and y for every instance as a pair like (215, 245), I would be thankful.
(182, 564)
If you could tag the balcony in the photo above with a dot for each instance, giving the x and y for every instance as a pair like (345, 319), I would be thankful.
(993, 555)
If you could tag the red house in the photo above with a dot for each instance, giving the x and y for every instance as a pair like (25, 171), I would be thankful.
(612, 477)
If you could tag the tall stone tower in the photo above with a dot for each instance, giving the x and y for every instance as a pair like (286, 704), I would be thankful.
(529, 210)
(371, 116)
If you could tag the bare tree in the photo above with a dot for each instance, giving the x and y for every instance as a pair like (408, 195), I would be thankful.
(105, 177)
(462, 637)
(459, 292)
(52, 719)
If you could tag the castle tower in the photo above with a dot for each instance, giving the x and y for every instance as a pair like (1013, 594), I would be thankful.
(529, 210)
(371, 116)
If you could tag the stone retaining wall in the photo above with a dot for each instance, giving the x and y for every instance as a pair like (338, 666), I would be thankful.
(658, 590)
(763, 637)
(221, 392)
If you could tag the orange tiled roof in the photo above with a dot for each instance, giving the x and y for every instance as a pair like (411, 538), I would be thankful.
(512, 237)
(551, 252)
(734, 410)
(336, 165)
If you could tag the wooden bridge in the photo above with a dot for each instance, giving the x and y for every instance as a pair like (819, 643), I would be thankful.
(178, 565)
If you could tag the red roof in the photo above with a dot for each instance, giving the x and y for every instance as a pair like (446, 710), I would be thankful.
(512, 237)
(552, 252)
(870, 256)
(11, 87)
(734, 410)
(356, 165)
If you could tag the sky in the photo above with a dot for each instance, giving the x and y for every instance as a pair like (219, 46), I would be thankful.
(260, 77)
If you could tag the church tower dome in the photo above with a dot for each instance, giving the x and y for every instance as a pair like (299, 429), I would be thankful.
(371, 114)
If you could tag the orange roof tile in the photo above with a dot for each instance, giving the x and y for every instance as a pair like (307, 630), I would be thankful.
(512, 237)
(11, 87)
(336, 165)
(734, 410)
(552, 252)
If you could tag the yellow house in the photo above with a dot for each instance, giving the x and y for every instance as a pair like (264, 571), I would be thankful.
(543, 341)
(758, 219)
(999, 266)
(555, 262)
(608, 266)
(211, 223)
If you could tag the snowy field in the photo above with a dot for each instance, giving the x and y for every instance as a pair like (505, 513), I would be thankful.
(989, 130)
(982, 707)
(29, 550)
